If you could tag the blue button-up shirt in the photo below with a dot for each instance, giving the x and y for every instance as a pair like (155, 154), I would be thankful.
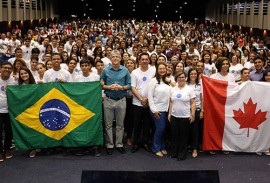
(120, 76)
(255, 75)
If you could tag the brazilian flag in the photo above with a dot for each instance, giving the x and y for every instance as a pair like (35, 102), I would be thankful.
(56, 114)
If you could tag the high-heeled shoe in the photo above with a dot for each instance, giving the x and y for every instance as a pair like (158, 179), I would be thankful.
(164, 152)
(194, 153)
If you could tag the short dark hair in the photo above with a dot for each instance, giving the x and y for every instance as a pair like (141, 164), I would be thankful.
(244, 69)
(85, 61)
(143, 53)
(259, 57)
(178, 74)
(35, 50)
(6, 63)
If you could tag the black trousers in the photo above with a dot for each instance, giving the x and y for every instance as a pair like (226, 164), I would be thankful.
(5, 126)
(179, 134)
(196, 131)
(143, 125)
(128, 123)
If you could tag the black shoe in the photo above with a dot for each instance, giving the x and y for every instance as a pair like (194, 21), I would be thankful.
(82, 152)
(135, 149)
(109, 151)
(65, 152)
(97, 152)
(181, 158)
(173, 156)
(121, 150)
(146, 147)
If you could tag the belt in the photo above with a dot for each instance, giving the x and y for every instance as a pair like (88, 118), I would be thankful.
(115, 98)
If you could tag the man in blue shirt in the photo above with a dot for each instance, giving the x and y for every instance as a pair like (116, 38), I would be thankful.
(115, 80)
(257, 74)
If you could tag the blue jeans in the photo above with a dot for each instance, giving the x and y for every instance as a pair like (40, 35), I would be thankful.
(160, 124)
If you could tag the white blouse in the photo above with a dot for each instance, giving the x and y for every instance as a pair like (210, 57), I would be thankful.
(158, 96)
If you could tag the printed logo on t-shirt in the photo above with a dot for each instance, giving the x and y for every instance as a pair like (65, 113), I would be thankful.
(2, 88)
(56, 79)
(178, 95)
(233, 71)
(144, 78)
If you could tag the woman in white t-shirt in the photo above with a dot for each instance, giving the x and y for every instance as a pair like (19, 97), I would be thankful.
(181, 114)
(72, 63)
(196, 127)
(236, 67)
(41, 70)
(209, 66)
(158, 99)
(25, 78)
(170, 72)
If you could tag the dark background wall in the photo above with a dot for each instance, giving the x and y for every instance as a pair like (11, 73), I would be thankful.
(144, 9)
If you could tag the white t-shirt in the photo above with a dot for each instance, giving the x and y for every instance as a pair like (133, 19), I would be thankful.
(53, 76)
(3, 96)
(181, 101)
(249, 65)
(235, 70)
(38, 79)
(12, 60)
(106, 61)
(92, 77)
(229, 77)
(140, 80)
(26, 52)
(198, 90)
(34, 73)
(158, 96)
(74, 75)
(209, 68)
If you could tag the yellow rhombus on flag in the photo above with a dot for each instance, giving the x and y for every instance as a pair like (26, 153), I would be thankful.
(55, 115)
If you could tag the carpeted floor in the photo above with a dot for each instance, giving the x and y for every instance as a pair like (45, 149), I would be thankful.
(238, 168)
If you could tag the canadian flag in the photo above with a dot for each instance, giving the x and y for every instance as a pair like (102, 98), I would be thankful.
(236, 117)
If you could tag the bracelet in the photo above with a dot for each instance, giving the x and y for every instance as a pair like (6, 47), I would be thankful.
(123, 88)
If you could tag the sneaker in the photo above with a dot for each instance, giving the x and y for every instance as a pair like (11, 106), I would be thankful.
(12, 146)
(212, 152)
(259, 153)
(226, 152)
(32, 154)
(267, 153)
(1, 157)
(97, 152)
(8, 154)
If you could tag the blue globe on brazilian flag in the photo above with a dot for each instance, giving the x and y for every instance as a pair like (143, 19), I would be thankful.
(56, 114)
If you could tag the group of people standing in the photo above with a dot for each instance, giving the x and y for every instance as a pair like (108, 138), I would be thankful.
(150, 74)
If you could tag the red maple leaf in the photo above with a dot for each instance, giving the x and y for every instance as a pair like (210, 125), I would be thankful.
(248, 118)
